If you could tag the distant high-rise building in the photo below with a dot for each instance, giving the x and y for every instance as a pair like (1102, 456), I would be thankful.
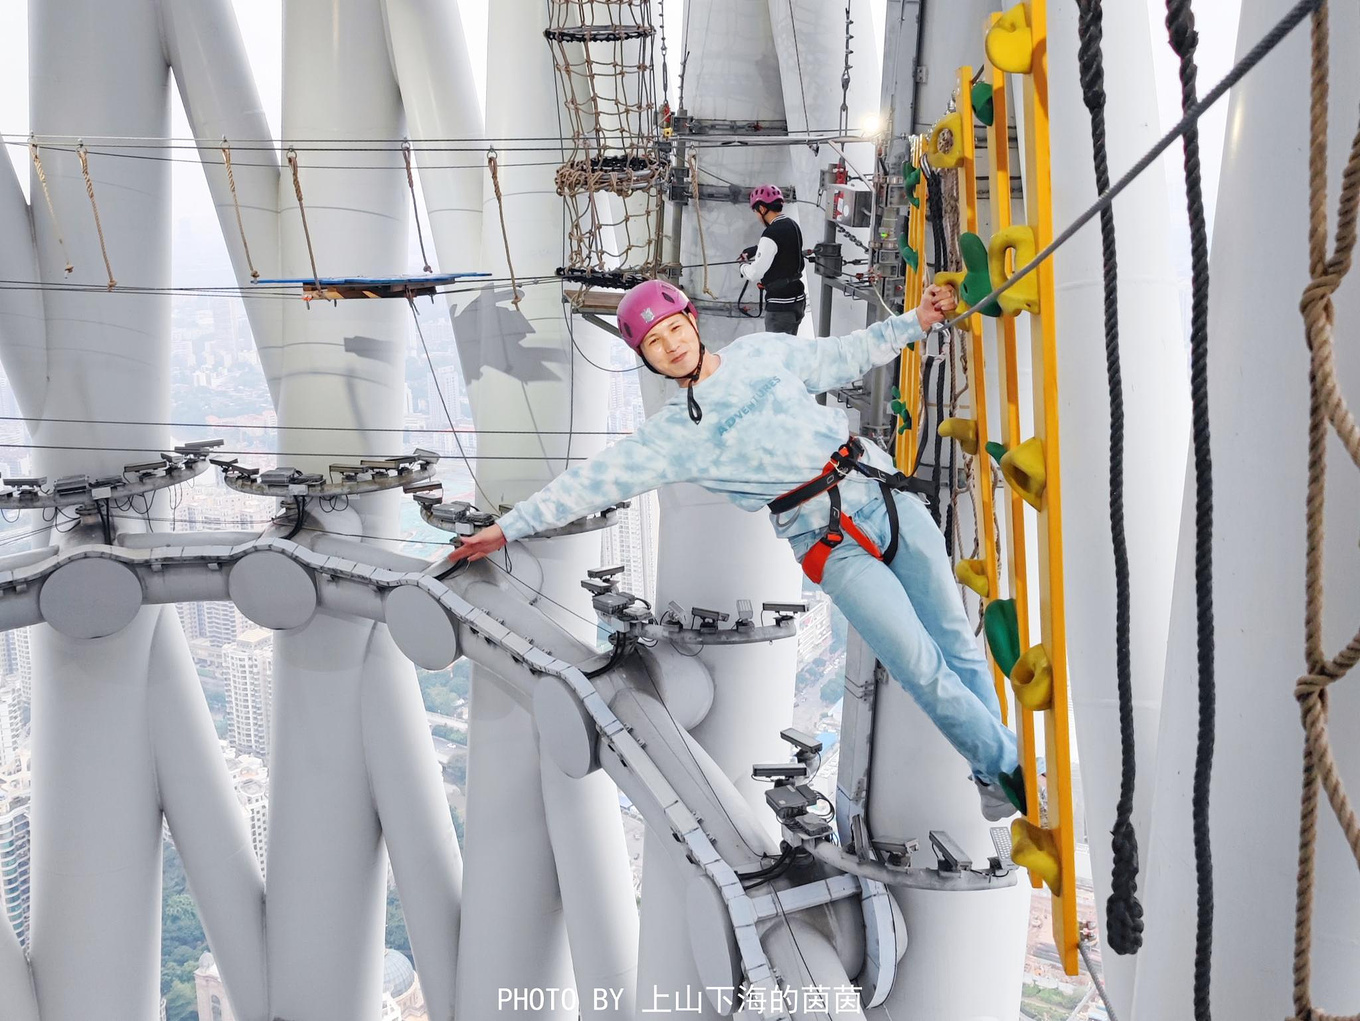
(193, 619)
(11, 730)
(16, 659)
(248, 668)
(250, 781)
(14, 852)
(212, 995)
(814, 629)
(632, 543)
(223, 622)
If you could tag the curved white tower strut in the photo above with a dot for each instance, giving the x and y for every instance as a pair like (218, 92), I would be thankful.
(535, 403)
(731, 51)
(101, 716)
(1258, 401)
(1157, 412)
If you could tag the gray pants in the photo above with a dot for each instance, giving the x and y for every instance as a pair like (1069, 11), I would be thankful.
(784, 317)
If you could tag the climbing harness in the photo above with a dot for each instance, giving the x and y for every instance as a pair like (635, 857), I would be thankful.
(1327, 407)
(1123, 912)
(845, 460)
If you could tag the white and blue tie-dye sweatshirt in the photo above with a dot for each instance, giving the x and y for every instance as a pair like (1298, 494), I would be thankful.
(762, 434)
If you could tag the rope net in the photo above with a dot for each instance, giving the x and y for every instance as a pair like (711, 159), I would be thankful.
(613, 175)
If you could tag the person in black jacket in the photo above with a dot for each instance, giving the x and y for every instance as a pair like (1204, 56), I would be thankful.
(777, 262)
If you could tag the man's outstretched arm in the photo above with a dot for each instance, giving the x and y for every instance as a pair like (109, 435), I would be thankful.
(829, 362)
(635, 464)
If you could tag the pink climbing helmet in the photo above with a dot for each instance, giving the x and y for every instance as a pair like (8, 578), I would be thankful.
(766, 193)
(646, 305)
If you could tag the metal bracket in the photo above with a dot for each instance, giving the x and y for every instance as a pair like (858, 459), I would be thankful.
(737, 194)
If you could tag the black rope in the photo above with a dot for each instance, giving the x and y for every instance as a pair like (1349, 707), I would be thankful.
(1123, 912)
(935, 429)
(935, 209)
(300, 505)
(1180, 23)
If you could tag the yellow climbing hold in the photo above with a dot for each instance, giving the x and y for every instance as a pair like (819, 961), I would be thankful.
(1032, 679)
(1023, 295)
(1010, 44)
(1036, 849)
(973, 573)
(1023, 468)
(955, 280)
(952, 123)
(964, 430)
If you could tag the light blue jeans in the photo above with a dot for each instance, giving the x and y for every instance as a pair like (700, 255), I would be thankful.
(912, 617)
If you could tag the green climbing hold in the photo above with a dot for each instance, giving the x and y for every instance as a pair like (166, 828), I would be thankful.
(982, 103)
(977, 278)
(1003, 633)
(911, 177)
(909, 255)
(900, 410)
(996, 450)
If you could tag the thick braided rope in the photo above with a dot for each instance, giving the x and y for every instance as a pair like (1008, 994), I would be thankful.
(1123, 912)
(302, 211)
(1327, 406)
(1180, 23)
(505, 234)
(698, 219)
(89, 190)
(51, 210)
(231, 182)
(415, 207)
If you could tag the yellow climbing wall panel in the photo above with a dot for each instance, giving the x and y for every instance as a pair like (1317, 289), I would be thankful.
(1017, 38)
(1017, 559)
(909, 379)
(977, 374)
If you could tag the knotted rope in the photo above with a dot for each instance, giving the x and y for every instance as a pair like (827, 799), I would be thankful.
(1326, 406)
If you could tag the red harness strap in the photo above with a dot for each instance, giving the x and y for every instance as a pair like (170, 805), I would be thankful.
(839, 524)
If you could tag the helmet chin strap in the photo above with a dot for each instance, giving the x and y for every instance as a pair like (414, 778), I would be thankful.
(696, 413)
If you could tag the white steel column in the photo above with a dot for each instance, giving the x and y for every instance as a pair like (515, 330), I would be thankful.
(343, 365)
(536, 401)
(809, 37)
(1157, 416)
(1258, 400)
(97, 746)
(731, 47)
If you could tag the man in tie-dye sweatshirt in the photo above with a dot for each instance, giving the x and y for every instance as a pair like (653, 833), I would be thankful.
(746, 424)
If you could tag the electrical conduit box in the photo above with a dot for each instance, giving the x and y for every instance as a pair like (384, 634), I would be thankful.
(849, 204)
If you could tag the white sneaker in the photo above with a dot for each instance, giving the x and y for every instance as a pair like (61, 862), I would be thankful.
(995, 805)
